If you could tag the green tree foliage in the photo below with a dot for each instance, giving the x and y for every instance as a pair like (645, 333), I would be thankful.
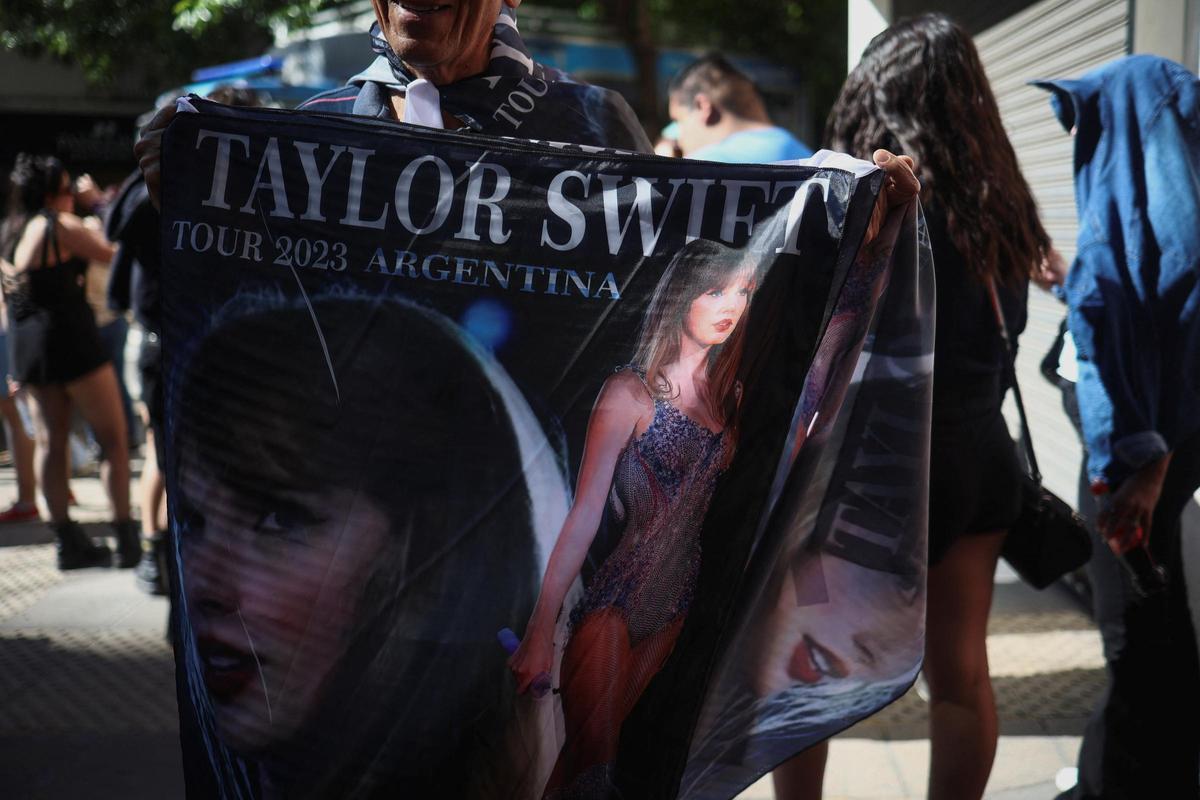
(200, 16)
(165, 42)
(806, 35)
(160, 43)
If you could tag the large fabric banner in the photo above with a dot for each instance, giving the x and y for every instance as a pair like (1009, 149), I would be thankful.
(501, 469)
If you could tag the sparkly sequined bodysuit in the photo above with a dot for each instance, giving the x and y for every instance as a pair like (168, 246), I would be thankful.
(661, 487)
(626, 624)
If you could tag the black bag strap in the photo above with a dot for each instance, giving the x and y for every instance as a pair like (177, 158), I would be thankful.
(1011, 374)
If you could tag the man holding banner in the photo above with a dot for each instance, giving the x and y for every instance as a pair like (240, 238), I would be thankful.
(433, 66)
(384, 347)
(461, 65)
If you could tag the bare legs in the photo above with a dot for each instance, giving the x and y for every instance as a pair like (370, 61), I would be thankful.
(97, 397)
(22, 449)
(151, 490)
(802, 777)
(602, 678)
(962, 710)
(99, 401)
(51, 411)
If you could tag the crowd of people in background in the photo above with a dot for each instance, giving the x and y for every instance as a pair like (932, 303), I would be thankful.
(55, 350)
(77, 262)
(919, 90)
(717, 114)
(1132, 365)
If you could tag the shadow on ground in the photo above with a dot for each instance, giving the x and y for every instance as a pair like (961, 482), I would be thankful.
(86, 709)
(27, 533)
(131, 766)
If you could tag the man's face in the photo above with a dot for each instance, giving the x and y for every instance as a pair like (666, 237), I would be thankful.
(693, 118)
(443, 40)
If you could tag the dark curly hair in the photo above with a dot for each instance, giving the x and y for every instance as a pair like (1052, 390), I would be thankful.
(920, 90)
(32, 180)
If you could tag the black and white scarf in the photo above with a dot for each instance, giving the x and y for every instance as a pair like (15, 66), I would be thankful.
(516, 96)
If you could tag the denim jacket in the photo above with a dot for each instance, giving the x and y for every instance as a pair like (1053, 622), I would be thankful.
(1134, 288)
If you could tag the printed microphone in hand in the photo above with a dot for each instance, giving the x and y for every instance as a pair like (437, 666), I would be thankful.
(540, 686)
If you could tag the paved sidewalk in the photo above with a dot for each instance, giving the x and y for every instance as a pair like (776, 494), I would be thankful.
(87, 693)
(1047, 671)
(87, 700)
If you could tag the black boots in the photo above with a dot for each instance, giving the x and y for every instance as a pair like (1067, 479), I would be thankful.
(129, 543)
(76, 550)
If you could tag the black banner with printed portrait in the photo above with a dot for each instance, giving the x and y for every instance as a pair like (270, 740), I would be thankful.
(501, 469)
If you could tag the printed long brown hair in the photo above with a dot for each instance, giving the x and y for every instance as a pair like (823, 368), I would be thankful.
(698, 268)
(384, 385)
(920, 90)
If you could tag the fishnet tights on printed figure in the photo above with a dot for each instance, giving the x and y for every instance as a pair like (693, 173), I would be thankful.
(602, 679)
(626, 624)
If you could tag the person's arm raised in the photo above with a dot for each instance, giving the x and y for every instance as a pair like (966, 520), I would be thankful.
(622, 404)
(77, 238)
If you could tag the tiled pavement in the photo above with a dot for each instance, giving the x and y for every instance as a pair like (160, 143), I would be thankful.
(87, 706)
(1047, 671)
(87, 697)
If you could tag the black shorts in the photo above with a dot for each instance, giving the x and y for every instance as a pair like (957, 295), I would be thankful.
(44, 350)
(974, 474)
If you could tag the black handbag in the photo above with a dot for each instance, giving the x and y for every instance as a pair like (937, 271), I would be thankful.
(1049, 539)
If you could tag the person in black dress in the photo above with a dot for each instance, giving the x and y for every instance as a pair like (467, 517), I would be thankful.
(55, 349)
(921, 89)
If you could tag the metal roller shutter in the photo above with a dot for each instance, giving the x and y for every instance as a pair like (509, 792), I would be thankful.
(1050, 39)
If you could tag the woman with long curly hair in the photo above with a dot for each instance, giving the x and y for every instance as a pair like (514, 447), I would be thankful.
(921, 89)
(660, 434)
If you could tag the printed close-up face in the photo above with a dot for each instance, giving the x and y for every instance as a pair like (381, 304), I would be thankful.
(714, 315)
(432, 33)
(272, 586)
(837, 620)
